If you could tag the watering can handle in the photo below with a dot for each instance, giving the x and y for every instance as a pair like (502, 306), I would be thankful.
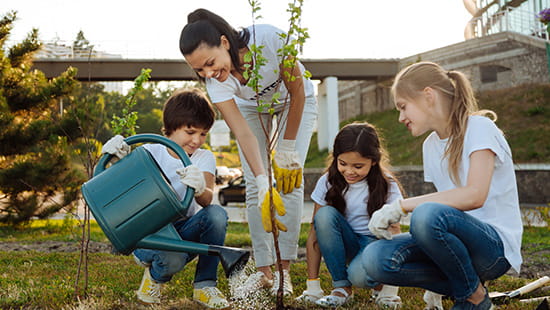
(152, 138)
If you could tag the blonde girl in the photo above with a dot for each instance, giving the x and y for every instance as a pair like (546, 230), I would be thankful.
(467, 232)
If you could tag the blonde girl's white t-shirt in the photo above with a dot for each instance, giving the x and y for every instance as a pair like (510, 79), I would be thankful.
(203, 159)
(501, 209)
(356, 198)
(271, 81)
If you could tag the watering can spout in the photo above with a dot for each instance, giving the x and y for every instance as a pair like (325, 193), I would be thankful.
(233, 260)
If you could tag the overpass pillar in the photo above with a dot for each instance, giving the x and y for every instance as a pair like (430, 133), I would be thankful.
(328, 122)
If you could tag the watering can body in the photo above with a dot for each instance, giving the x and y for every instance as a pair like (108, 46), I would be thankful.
(135, 205)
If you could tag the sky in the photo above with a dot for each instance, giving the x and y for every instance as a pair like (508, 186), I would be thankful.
(344, 29)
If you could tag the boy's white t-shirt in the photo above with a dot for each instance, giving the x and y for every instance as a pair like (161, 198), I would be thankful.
(501, 209)
(203, 159)
(271, 82)
(356, 201)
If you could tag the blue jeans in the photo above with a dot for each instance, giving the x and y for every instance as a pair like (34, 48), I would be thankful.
(338, 242)
(208, 226)
(447, 251)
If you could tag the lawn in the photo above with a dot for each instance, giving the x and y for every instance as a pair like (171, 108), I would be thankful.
(43, 272)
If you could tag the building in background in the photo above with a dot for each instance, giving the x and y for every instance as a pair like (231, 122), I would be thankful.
(67, 50)
(505, 46)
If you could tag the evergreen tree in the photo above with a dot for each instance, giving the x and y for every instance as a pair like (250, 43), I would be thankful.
(36, 174)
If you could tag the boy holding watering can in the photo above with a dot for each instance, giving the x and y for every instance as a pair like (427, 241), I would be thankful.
(187, 118)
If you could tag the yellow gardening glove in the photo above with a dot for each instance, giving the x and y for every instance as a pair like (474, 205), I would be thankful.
(287, 167)
(264, 204)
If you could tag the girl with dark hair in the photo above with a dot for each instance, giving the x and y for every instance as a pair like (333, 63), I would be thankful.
(467, 232)
(216, 52)
(357, 183)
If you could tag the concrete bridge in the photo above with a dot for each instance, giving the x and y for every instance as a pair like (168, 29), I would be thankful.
(100, 69)
(329, 71)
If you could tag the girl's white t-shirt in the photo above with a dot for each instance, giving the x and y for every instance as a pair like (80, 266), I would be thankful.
(501, 209)
(271, 81)
(356, 201)
(203, 159)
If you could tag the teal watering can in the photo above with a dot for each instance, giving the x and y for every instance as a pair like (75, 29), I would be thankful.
(135, 205)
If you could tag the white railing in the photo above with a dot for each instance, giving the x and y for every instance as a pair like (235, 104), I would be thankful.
(513, 20)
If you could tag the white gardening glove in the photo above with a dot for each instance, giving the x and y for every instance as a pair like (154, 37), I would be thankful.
(193, 177)
(384, 217)
(116, 146)
(287, 167)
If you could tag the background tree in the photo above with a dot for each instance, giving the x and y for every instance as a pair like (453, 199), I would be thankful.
(81, 46)
(36, 175)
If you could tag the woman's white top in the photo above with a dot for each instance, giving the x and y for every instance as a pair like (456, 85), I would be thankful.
(268, 36)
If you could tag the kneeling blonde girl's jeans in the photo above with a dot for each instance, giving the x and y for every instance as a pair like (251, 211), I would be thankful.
(447, 251)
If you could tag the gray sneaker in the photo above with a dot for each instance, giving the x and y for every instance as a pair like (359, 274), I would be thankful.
(486, 304)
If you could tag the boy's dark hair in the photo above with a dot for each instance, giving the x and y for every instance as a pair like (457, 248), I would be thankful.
(189, 108)
(363, 139)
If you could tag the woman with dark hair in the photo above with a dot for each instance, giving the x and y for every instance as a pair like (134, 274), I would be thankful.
(216, 52)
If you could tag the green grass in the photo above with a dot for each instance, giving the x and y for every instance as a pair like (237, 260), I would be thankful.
(523, 116)
(39, 280)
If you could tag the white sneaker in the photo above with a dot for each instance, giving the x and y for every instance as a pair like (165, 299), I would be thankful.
(387, 297)
(253, 283)
(388, 302)
(287, 284)
(210, 297)
(334, 301)
(149, 290)
(310, 297)
(433, 301)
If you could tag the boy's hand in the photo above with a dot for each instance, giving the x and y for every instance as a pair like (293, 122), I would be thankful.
(287, 167)
(264, 204)
(384, 217)
(193, 177)
(116, 146)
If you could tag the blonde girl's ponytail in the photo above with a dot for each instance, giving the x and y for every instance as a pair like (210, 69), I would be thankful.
(463, 105)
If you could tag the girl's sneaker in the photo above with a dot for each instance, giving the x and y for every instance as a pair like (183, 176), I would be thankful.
(210, 297)
(310, 297)
(433, 301)
(387, 297)
(485, 304)
(333, 301)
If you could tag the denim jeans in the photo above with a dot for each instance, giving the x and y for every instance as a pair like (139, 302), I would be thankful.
(208, 226)
(447, 251)
(338, 242)
(262, 242)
